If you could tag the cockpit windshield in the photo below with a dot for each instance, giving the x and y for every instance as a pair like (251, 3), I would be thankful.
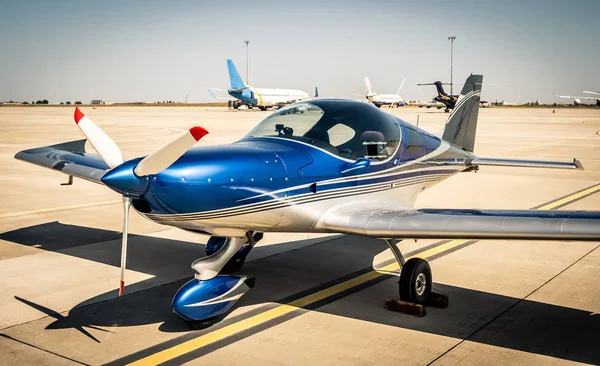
(347, 129)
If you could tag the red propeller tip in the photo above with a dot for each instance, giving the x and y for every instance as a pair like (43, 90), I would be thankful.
(78, 115)
(198, 132)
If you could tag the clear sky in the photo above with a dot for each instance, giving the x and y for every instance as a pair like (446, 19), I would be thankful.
(162, 50)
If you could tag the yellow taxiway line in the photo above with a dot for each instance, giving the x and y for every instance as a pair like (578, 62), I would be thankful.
(279, 311)
(570, 198)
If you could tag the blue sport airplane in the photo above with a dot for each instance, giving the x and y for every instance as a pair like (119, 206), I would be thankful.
(326, 166)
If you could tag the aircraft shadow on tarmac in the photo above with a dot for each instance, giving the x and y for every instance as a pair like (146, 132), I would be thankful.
(485, 318)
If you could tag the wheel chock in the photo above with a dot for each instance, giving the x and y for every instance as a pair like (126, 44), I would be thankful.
(437, 300)
(404, 307)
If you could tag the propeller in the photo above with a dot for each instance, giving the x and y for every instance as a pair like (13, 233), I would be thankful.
(126, 175)
(104, 145)
(397, 93)
(162, 158)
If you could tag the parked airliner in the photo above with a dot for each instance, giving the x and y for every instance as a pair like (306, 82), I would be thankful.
(577, 100)
(383, 99)
(262, 98)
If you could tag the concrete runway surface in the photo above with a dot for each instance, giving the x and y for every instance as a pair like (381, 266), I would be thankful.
(318, 299)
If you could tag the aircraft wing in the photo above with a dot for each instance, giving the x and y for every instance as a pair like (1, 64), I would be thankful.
(69, 158)
(465, 224)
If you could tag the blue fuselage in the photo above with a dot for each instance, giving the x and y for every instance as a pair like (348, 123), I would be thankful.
(262, 175)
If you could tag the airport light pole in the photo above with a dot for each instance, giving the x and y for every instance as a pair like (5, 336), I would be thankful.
(246, 60)
(451, 39)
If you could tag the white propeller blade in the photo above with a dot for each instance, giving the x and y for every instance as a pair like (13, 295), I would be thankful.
(106, 148)
(104, 145)
(162, 158)
(126, 205)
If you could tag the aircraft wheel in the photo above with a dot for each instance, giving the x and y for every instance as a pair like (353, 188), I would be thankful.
(446, 110)
(415, 281)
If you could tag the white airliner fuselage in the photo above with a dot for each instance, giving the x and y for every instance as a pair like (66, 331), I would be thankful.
(384, 99)
(276, 97)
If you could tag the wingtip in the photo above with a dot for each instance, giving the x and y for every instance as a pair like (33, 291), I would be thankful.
(198, 132)
(78, 115)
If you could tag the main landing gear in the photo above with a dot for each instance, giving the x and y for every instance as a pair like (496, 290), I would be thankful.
(415, 285)
(208, 297)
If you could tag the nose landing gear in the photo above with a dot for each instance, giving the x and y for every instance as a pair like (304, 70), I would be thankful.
(215, 243)
(210, 296)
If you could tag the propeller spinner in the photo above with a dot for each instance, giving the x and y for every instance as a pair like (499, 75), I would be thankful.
(129, 178)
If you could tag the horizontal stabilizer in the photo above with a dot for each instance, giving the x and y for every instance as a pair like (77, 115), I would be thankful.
(212, 94)
(69, 158)
(575, 164)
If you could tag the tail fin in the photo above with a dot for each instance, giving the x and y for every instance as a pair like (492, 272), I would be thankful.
(370, 90)
(462, 124)
(316, 92)
(440, 88)
(234, 76)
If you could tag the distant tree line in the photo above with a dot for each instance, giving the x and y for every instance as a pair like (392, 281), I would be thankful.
(45, 101)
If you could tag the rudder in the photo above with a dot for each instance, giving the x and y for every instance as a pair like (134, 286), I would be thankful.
(369, 88)
(461, 126)
(234, 76)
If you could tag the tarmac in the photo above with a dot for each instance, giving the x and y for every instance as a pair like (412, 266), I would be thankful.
(318, 299)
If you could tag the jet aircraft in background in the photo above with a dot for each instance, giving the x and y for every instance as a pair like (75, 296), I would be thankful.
(383, 99)
(577, 100)
(262, 98)
(442, 97)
